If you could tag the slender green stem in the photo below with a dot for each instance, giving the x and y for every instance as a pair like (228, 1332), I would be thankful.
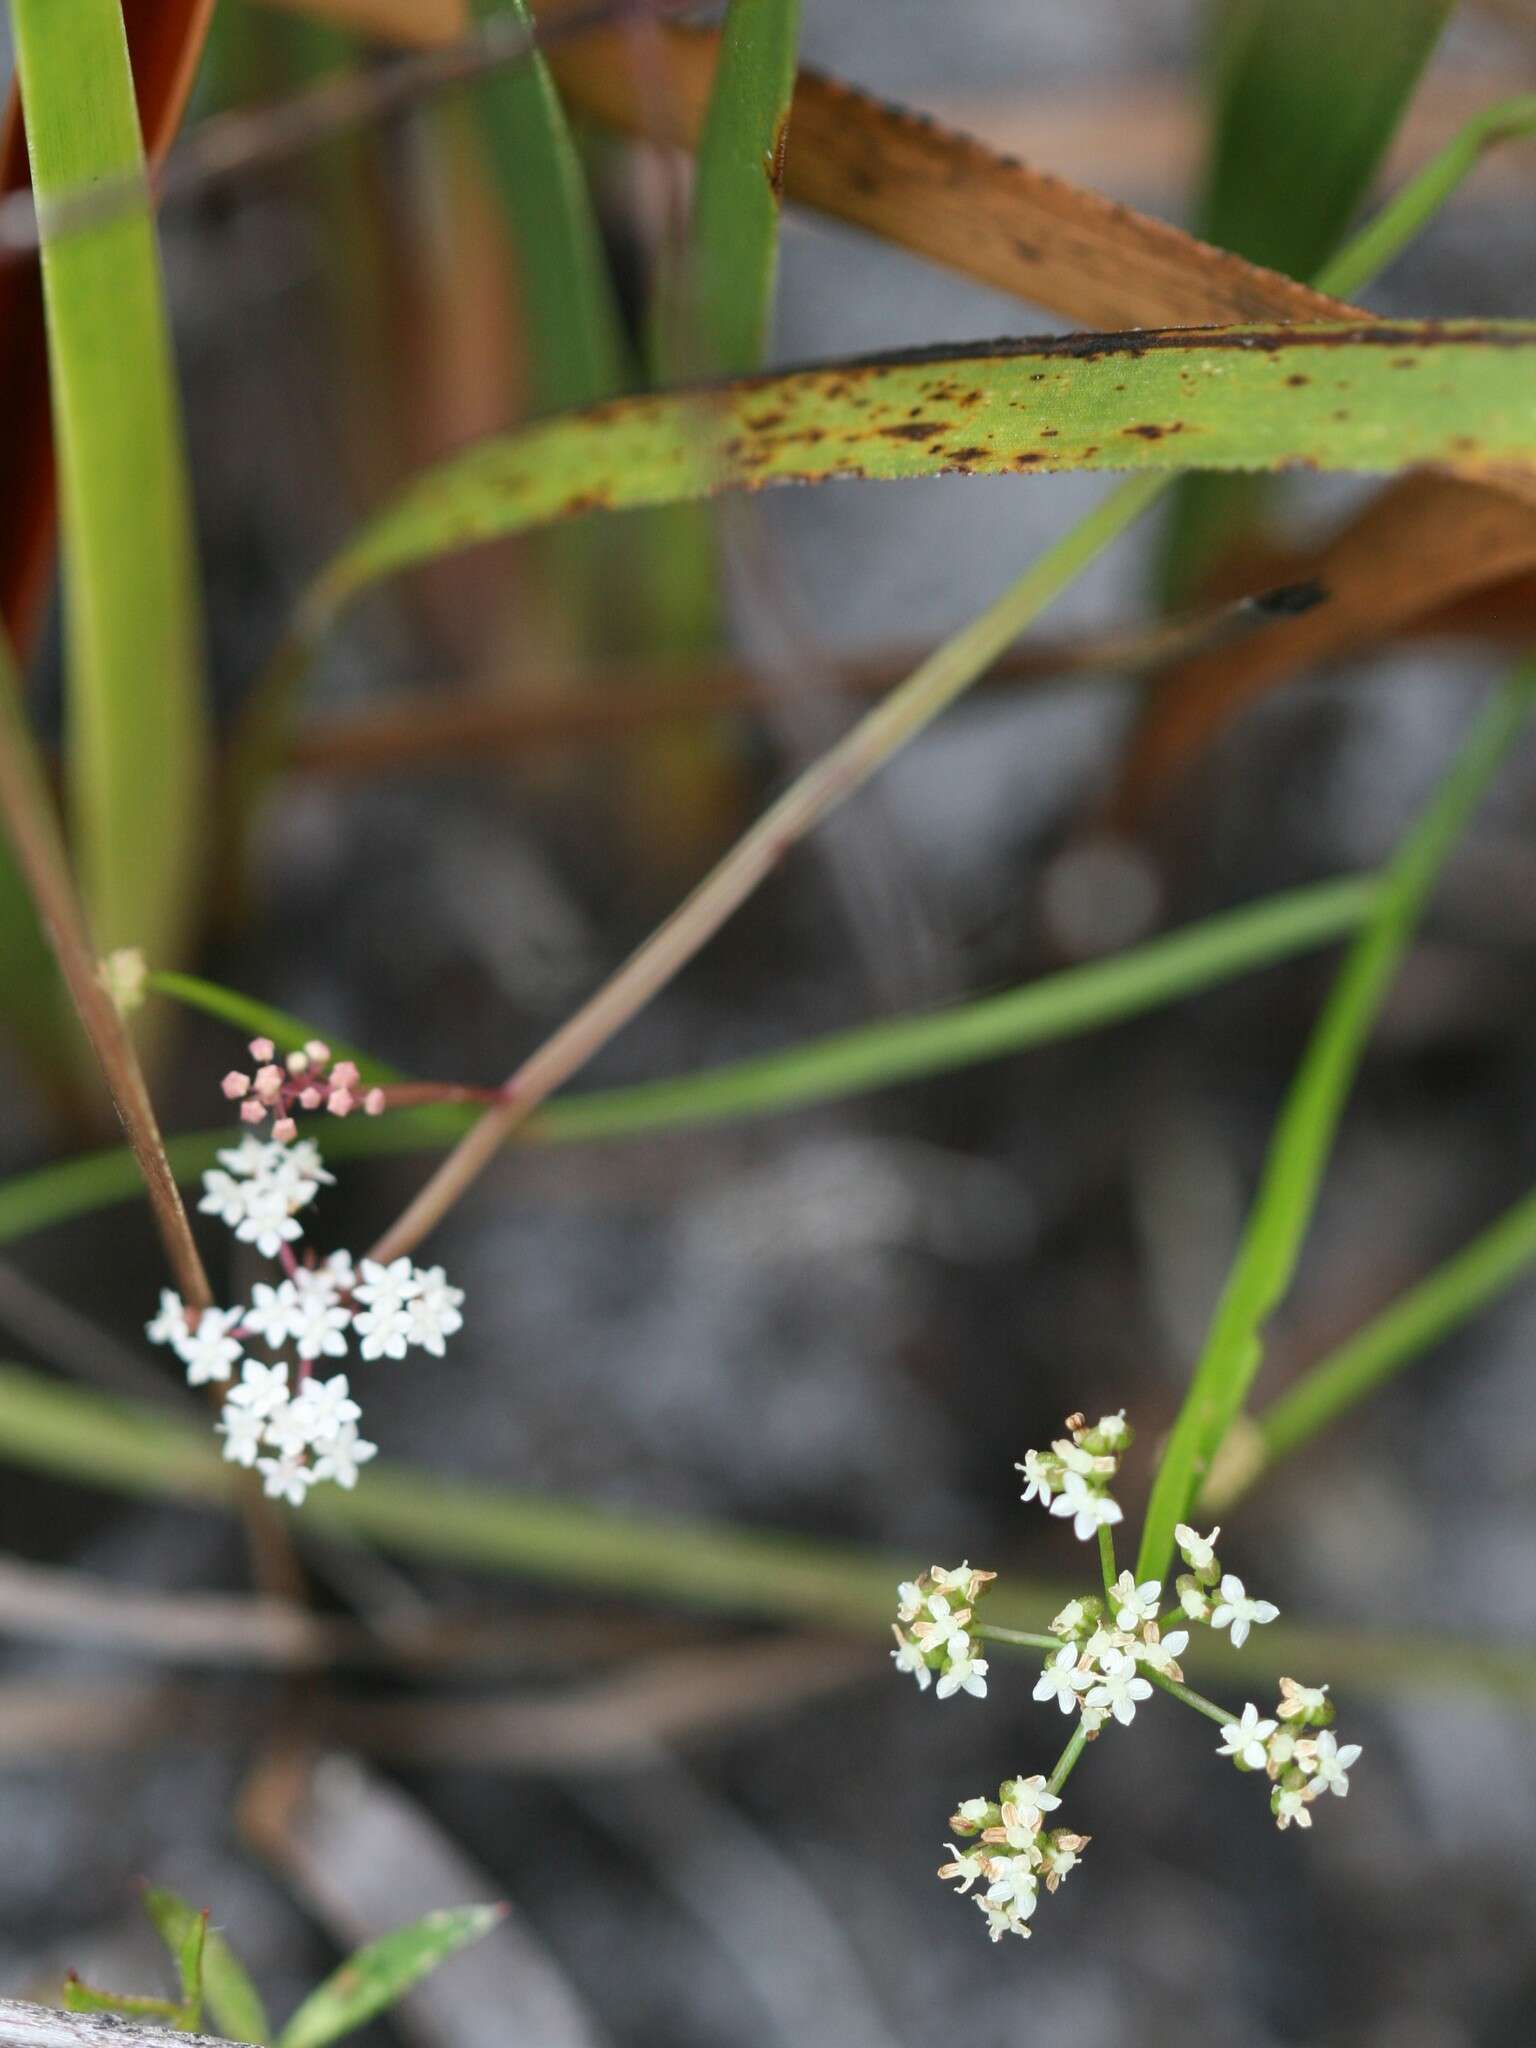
(1067, 1761)
(1198, 1701)
(1107, 1563)
(1015, 1638)
(1404, 1330)
(1304, 1133)
(1410, 211)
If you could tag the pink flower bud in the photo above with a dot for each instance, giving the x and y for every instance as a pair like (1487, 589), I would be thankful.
(310, 1098)
(269, 1083)
(344, 1075)
(252, 1111)
(318, 1051)
(235, 1085)
(341, 1102)
(285, 1130)
(374, 1103)
(262, 1049)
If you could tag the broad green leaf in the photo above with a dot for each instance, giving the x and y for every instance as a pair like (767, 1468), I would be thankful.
(577, 337)
(712, 1567)
(1383, 397)
(845, 1063)
(376, 1976)
(1306, 97)
(718, 301)
(231, 1998)
(1303, 1138)
(135, 732)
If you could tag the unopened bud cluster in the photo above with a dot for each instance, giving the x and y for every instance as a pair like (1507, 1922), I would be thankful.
(1014, 1854)
(305, 1080)
(280, 1415)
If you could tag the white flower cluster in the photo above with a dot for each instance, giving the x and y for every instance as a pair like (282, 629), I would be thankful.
(1072, 1477)
(1229, 1607)
(934, 1609)
(1014, 1853)
(297, 1436)
(1097, 1670)
(1300, 1767)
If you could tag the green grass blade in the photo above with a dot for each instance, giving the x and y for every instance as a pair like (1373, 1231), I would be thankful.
(876, 1056)
(1383, 397)
(717, 300)
(222, 1983)
(135, 726)
(1403, 1332)
(1303, 1138)
(578, 348)
(1307, 95)
(710, 1567)
(373, 1978)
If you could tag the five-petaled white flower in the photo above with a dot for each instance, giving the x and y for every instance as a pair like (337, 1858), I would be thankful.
(1238, 1612)
(170, 1325)
(1330, 1765)
(327, 1406)
(1289, 1803)
(908, 1657)
(965, 1674)
(341, 1454)
(209, 1352)
(1136, 1603)
(285, 1478)
(1013, 1885)
(432, 1312)
(263, 1388)
(242, 1430)
(1090, 1511)
(1041, 1476)
(1120, 1687)
(909, 1601)
(1244, 1740)
(1061, 1680)
(1161, 1652)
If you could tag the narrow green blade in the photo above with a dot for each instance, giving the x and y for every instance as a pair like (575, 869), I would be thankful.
(376, 1976)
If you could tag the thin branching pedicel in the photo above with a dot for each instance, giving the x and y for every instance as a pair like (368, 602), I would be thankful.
(1106, 1652)
(295, 1426)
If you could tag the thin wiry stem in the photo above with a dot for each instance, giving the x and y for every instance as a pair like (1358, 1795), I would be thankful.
(1201, 1705)
(1068, 1759)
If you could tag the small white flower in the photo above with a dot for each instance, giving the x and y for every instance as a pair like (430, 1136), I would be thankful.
(288, 1431)
(209, 1352)
(385, 1331)
(1013, 1885)
(1162, 1653)
(1093, 1719)
(1070, 1620)
(242, 1431)
(1113, 1429)
(390, 1286)
(1041, 1476)
(1289, 1803)
(1136, 1603)
(1238, 1612)
(965, 1674)
(1032, 1797)
(432, 1313)
(1090, 1511)
(268, 1224)
(340, 1455)
(1061, 1680)
(263, 1388)
(170, 1325)
(908, 1658)
(1074, 1457)
(320, 1327)
(943, 1630)
(1002, 1920)
(1329, 1764)
(970, 1813)
(1197, 1551)
(963, 1579)
(1059, 1855)
(1104, 1641)
(909, 1601)
(1194, 1603)
(328, 1406)
(1244, 1740)
(1120, 1688)
(285, 1478)
(271, 1312)
(1301, 1702)
(966, 1866)
(328, 1281)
